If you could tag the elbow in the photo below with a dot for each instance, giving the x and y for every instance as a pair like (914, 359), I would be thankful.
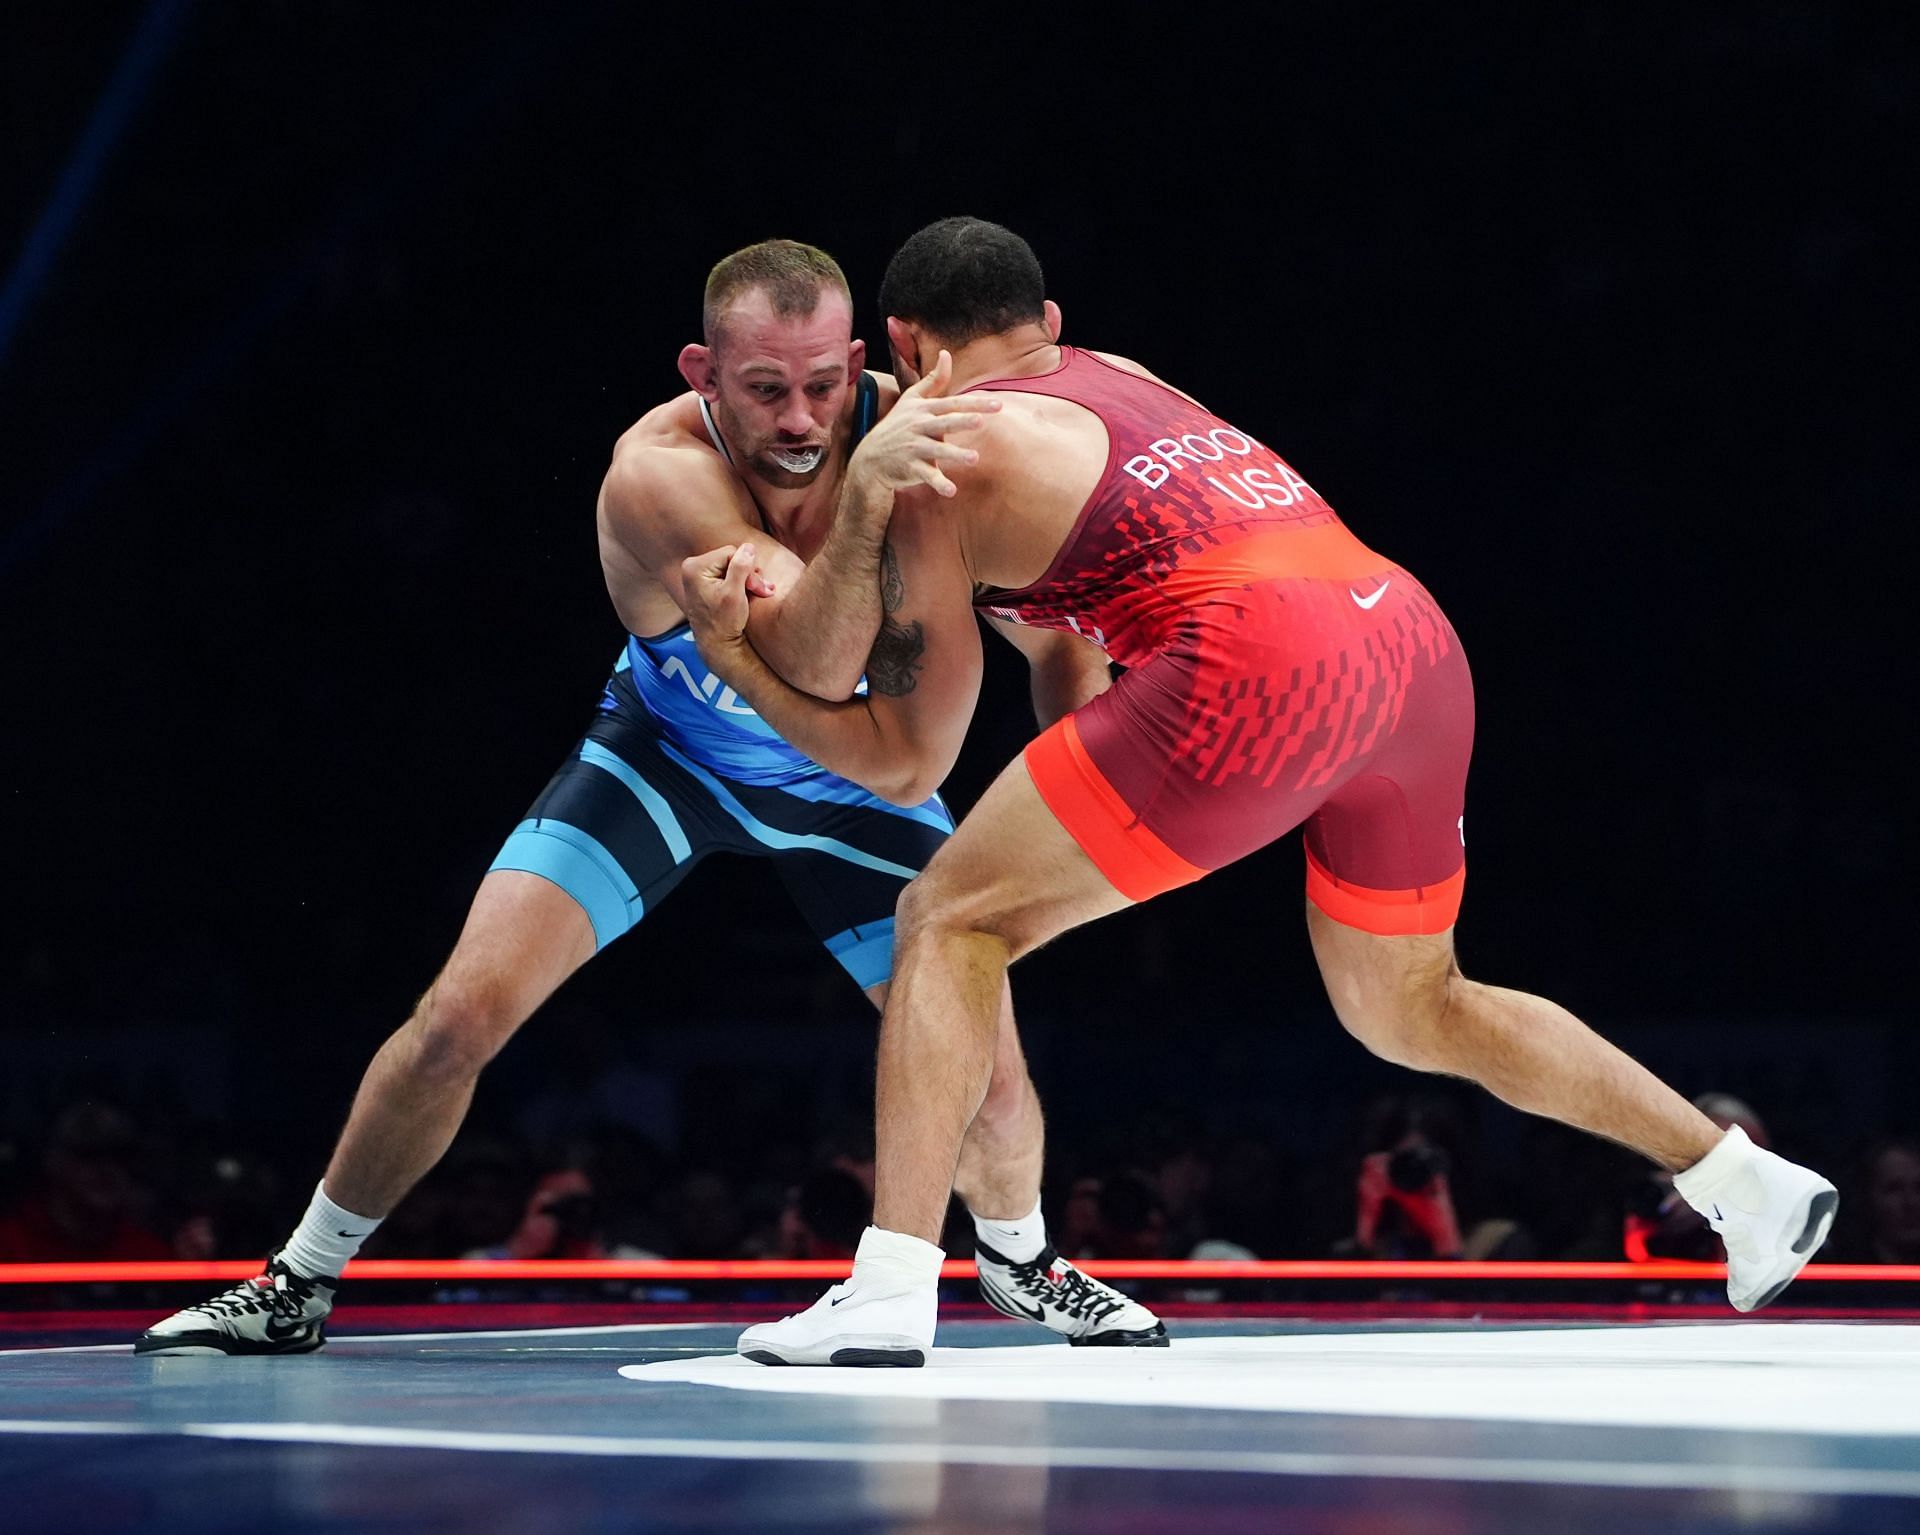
(911, 784)
(835, 686)
(916, 791)
(814, 669)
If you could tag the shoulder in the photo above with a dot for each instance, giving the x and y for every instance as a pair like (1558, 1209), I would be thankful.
(662, 457)
(1014, 439)
(1128, 365)
(1124, 364)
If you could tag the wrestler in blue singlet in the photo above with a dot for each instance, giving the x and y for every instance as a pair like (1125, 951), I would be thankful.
(675, 767)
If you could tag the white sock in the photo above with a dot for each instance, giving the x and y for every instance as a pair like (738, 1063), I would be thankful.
(1699, 1183)
(896, 1261)
(325, 1238)
(1020, 1240)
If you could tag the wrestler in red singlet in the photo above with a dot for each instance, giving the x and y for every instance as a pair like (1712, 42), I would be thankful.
(1279, 672)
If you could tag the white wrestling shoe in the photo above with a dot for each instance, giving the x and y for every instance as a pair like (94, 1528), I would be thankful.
(1772, 1214)
(278, 1312)
(1051, 1291)
(883, 1314)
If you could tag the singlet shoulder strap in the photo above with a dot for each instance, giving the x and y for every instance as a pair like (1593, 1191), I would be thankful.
(713, 429)
(866, 407)
(719, 442)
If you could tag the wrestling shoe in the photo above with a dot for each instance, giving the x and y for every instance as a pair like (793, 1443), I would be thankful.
(1052, 1292)
(278, 1312)
(1772, 1214)
(882, 1314)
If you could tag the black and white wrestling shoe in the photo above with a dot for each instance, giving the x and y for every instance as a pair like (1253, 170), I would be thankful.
(278, 1312)
(1052, 1292)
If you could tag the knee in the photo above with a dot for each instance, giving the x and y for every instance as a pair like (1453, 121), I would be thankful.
(1408, 1026)
(929, 906)
(458, 1027)
(933, 907)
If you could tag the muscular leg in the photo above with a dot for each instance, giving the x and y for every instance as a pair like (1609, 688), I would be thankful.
(1406, 1001)
(1008, 880)
(523, 937)
(998, 1178)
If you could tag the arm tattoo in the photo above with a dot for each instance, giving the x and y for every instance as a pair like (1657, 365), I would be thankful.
(893, 664)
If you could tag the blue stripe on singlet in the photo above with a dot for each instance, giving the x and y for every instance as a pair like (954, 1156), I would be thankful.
(830, 789)
(650, 798)
(865, 953)
(580, 865)
(772, 836)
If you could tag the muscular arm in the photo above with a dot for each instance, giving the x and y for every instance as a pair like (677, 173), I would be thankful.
(1064, 670)
(923, 675)
(816, 633)
(663, 505)
(815, 626)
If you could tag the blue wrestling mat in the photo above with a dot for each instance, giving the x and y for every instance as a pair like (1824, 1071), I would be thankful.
(1244, 1424)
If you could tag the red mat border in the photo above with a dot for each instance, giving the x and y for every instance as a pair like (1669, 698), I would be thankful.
(684, 1271)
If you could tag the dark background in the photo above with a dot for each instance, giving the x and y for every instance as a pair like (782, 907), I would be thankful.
(1590, 314)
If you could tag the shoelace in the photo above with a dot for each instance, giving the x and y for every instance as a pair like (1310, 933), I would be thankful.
(275, 1293)
(1072, 1292)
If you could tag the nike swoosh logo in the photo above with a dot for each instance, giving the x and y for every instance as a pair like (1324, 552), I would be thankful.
(836, 1301)
(278, 1333)
(1368, 602)
(1007, 1305)
(355, 1234)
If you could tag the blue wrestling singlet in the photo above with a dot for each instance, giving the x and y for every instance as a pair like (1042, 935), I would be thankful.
(675, 767)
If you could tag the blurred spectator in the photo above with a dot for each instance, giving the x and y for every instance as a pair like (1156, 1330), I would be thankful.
(473, 1199)
(1116, 1216)
(86, 1205)
(1213, 1250)
(1248, 1203)
(849, 1147)
(825, 1215)
(629, 1171)
(1571, 1190)
(1887, 1198)
(231, 1210)
(1411, 1180)
(1659, 1223)
(561, 1220)
(704, 1217)
(1177, 1165)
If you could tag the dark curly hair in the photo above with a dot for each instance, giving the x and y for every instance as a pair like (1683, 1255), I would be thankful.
(963, 278)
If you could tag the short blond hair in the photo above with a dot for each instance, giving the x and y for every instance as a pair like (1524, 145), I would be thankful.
(791, 274)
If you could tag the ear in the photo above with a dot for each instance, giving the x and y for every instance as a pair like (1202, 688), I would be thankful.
(906, 351)
(1052, 311)
(856, 360)
(697, 367)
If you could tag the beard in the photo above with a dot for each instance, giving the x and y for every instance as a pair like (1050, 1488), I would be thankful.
(782, 463)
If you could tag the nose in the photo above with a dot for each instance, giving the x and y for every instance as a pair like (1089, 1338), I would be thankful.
(796, 420)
